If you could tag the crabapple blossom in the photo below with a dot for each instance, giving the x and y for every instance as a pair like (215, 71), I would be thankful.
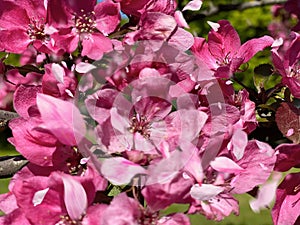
(29, 27)
(119, 119)
(288, 66)
(223, 51)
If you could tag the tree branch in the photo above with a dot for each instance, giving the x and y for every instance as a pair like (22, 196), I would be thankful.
(9, 165)
(215, 9)
(5, 116)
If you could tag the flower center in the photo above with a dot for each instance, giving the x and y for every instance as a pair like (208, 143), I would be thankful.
(85, 22)
(224, 61)
(73, 162)
(36, 31)
(141, 125)
(66, 220)
(295, 72)
(148, 219)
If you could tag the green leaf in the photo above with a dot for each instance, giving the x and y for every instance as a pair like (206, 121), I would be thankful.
(115, 191)
(264, 70)
(262, 74)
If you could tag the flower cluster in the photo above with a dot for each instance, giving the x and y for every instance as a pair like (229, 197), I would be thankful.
(120, 121)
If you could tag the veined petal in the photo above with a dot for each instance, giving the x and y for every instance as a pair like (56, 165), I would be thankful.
(62, 118)
(239, 142)
(120, 171)
(75, 197)
(226, 165)
(205, 191)
(251, 47)
(193, 5)
(39, 196)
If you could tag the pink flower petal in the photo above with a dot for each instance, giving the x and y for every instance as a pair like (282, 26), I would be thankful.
(226, 165)
(266, 194)
(258, 162)
(24, 98)
(58, 72)
(83, 67)
(180, 19)
(251, 47)
(39, 196)
(205, 191)
(107, 16)
(62, 118)
(94, 45)
(75, 197)
(120, 171)
(182, 40)
(193, 5)
(287, 206)
(239, 142)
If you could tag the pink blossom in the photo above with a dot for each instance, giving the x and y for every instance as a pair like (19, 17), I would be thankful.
(137, 9)
(258, 162)
(174, 219)
(59, 82)
(133, 7)
(85, 23)
(266, 194)
(160, 196)
(59, 197)
(216, 208)
(223, 51)
(29, 26)
(122, 210)
(287, 205)
(10, 80)
(120, 171)
(288, 65)
(33, 138)
(158, 27)
(14, 218)
(63, 119)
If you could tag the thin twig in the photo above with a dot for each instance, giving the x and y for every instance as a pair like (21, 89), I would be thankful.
(9, 165)
(6, 115)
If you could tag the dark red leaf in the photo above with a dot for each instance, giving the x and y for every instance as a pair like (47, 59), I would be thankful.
(288, 121)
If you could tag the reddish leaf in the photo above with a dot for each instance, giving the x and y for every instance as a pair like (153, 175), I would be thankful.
(288, 121)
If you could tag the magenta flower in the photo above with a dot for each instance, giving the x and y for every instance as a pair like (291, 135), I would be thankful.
(216, 208)
(32, 131)
(266, 194)
(159, 196)
(158, 27)
(287, 204)
(257, 162)
(24, 23)
(133, 7)
(289, 66)
(86, 23)
(223, 51)
(59, 82)
(64, 120)
(58, 198)
(125, 210)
